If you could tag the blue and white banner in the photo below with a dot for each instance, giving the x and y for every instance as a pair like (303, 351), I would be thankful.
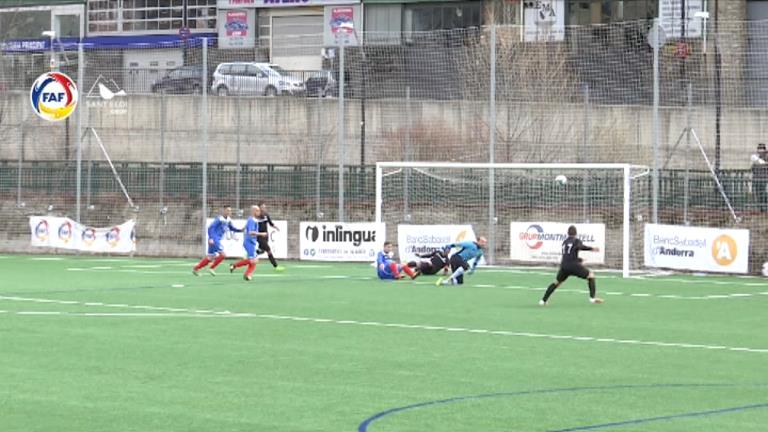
(65, 233)
(341, 241)
(697, 249)
(424, 239)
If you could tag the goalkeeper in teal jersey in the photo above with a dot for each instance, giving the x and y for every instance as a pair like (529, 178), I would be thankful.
(459, 261)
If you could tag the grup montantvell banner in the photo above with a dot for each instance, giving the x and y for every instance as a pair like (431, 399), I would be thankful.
(65, 233)
(541, 242)
(695, 248)
(340, 241)
(232, 243)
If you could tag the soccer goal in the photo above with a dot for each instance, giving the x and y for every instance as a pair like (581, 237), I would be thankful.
(523, 209)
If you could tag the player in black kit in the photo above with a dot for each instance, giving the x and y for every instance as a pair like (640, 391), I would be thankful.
(264, 223)
(571, 265)
(431, 264)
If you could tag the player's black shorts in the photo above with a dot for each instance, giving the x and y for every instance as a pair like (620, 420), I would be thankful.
(263, 244)
(457, 261)
(573, 269)
(427, 268)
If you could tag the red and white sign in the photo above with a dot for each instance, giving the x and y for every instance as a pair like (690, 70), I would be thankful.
(541, 242)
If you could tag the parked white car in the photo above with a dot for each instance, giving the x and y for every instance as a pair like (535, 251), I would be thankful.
(263, 79)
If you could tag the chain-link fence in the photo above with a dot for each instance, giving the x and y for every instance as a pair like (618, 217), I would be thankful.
(203, 126)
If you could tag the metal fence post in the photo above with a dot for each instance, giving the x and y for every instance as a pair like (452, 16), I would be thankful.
(583, 156)
(238, 167)
(656, 125)
(163, 114)
(407, 171)
(341, 133)
(204, 141)
(687, 184)
(83, 107)
(492, 152)
(22, 119)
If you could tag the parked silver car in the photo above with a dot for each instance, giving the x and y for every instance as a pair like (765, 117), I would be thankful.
(245, 78)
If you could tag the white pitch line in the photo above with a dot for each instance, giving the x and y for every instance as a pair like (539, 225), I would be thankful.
(190, 313)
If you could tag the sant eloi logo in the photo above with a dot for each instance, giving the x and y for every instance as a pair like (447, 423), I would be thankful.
(113, 236)
(337, 234)
(53, 96)
(724, 250)
(535, 236)
(41, 230)
(65, 232)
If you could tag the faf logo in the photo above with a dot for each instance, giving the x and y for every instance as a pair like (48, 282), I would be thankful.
(89, 236)
(113, 236)
(41, 230)
(65, 232)
(53, 96)
(724, 250)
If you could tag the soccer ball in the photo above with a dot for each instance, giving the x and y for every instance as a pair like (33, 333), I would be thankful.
(561, 179)
(765, 269)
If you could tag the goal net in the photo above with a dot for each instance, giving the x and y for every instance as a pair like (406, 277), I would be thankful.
(524, 209)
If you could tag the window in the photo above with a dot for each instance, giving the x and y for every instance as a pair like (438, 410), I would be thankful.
(442, 16)
(585, 12)
(225, 69)
(67, 26)
(165, 16)
(237, 69)
(24, 24)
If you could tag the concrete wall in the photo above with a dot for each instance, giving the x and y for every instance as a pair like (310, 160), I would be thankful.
(297, 130)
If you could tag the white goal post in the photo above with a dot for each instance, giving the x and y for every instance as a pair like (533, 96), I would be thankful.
(490, 196)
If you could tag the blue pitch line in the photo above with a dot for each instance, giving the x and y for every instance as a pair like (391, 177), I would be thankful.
(663, 418)
(363, 427)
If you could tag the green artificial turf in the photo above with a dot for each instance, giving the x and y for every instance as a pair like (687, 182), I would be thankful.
(119, 344)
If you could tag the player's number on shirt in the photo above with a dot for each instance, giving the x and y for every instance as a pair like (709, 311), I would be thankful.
(568, 246)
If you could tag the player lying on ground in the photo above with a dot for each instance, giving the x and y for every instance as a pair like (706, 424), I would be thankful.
(571, 265)
(430, 263)
(264, 223)
(387, 269)
(470, 251)
(221, 224)
(249, 243)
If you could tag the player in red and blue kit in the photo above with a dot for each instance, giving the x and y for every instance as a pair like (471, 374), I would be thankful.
(250, 242)
(387, 269)
(216, 231)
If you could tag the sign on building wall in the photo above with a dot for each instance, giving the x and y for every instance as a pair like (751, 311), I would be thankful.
(230, 4)
(671, 17)
(342, 25)
(544, 20)
(237, 28)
